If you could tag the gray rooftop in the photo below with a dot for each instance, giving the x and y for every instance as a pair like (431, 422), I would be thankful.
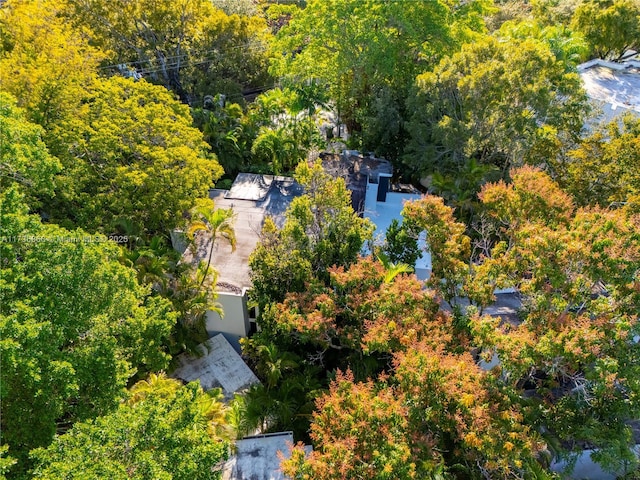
(252, 198)
(614, 87)
(257, 457)
(356, 169)
(219, 367)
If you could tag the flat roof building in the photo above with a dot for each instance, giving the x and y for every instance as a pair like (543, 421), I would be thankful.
(613, 87)
(254, 197)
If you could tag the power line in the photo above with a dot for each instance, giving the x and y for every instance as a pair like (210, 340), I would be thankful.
(175, 59)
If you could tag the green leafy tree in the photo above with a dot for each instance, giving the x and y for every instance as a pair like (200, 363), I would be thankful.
(190, 47)
(370, 50)
(158, 267)
(46, 64)
(321, 230)
(603, 169)
(75, 327)
(568, 46)
(500, 102)
(286, 126)
(153, 263)
(611, 27)
(191, 302)
(6, 461)
(554, 12)
(131, 153)
(24, 158)
(460, 189)
(277, 149)
(162, 431)
(401, 243)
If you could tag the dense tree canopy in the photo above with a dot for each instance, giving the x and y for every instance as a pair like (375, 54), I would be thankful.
(386, 375)
(45, 63)
(498, 101)
(567, 370)
(433, 411)
(24, 158)
(75, 327)
(163, 430)
(604, 168)
(577, 272)
(188, 46)
(368, 53)
(364, 433)
(611, 27)
(131, 153)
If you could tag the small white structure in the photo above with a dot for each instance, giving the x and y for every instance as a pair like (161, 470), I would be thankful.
(220, 366)
(259, 457)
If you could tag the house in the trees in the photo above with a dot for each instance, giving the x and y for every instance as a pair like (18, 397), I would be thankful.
(254, 197)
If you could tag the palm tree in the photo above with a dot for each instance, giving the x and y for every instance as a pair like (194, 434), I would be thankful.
(157, 385)
(276, 147)
(153, 263)
(214, 412)
(189, 298)
(217, 223)
(274, 364)
(392, 270)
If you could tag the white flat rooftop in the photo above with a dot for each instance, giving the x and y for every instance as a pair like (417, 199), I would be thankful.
(383, 213)
(220, 366)
(615, 87)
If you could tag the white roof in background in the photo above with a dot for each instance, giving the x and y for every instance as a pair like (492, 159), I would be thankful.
(220, 366)
(615, 87)
(257, 457)
(383, 213)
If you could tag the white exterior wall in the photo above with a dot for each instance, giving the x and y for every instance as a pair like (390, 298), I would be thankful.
(236, 315)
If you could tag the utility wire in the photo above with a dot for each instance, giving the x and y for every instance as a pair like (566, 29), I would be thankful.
(175, 59)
